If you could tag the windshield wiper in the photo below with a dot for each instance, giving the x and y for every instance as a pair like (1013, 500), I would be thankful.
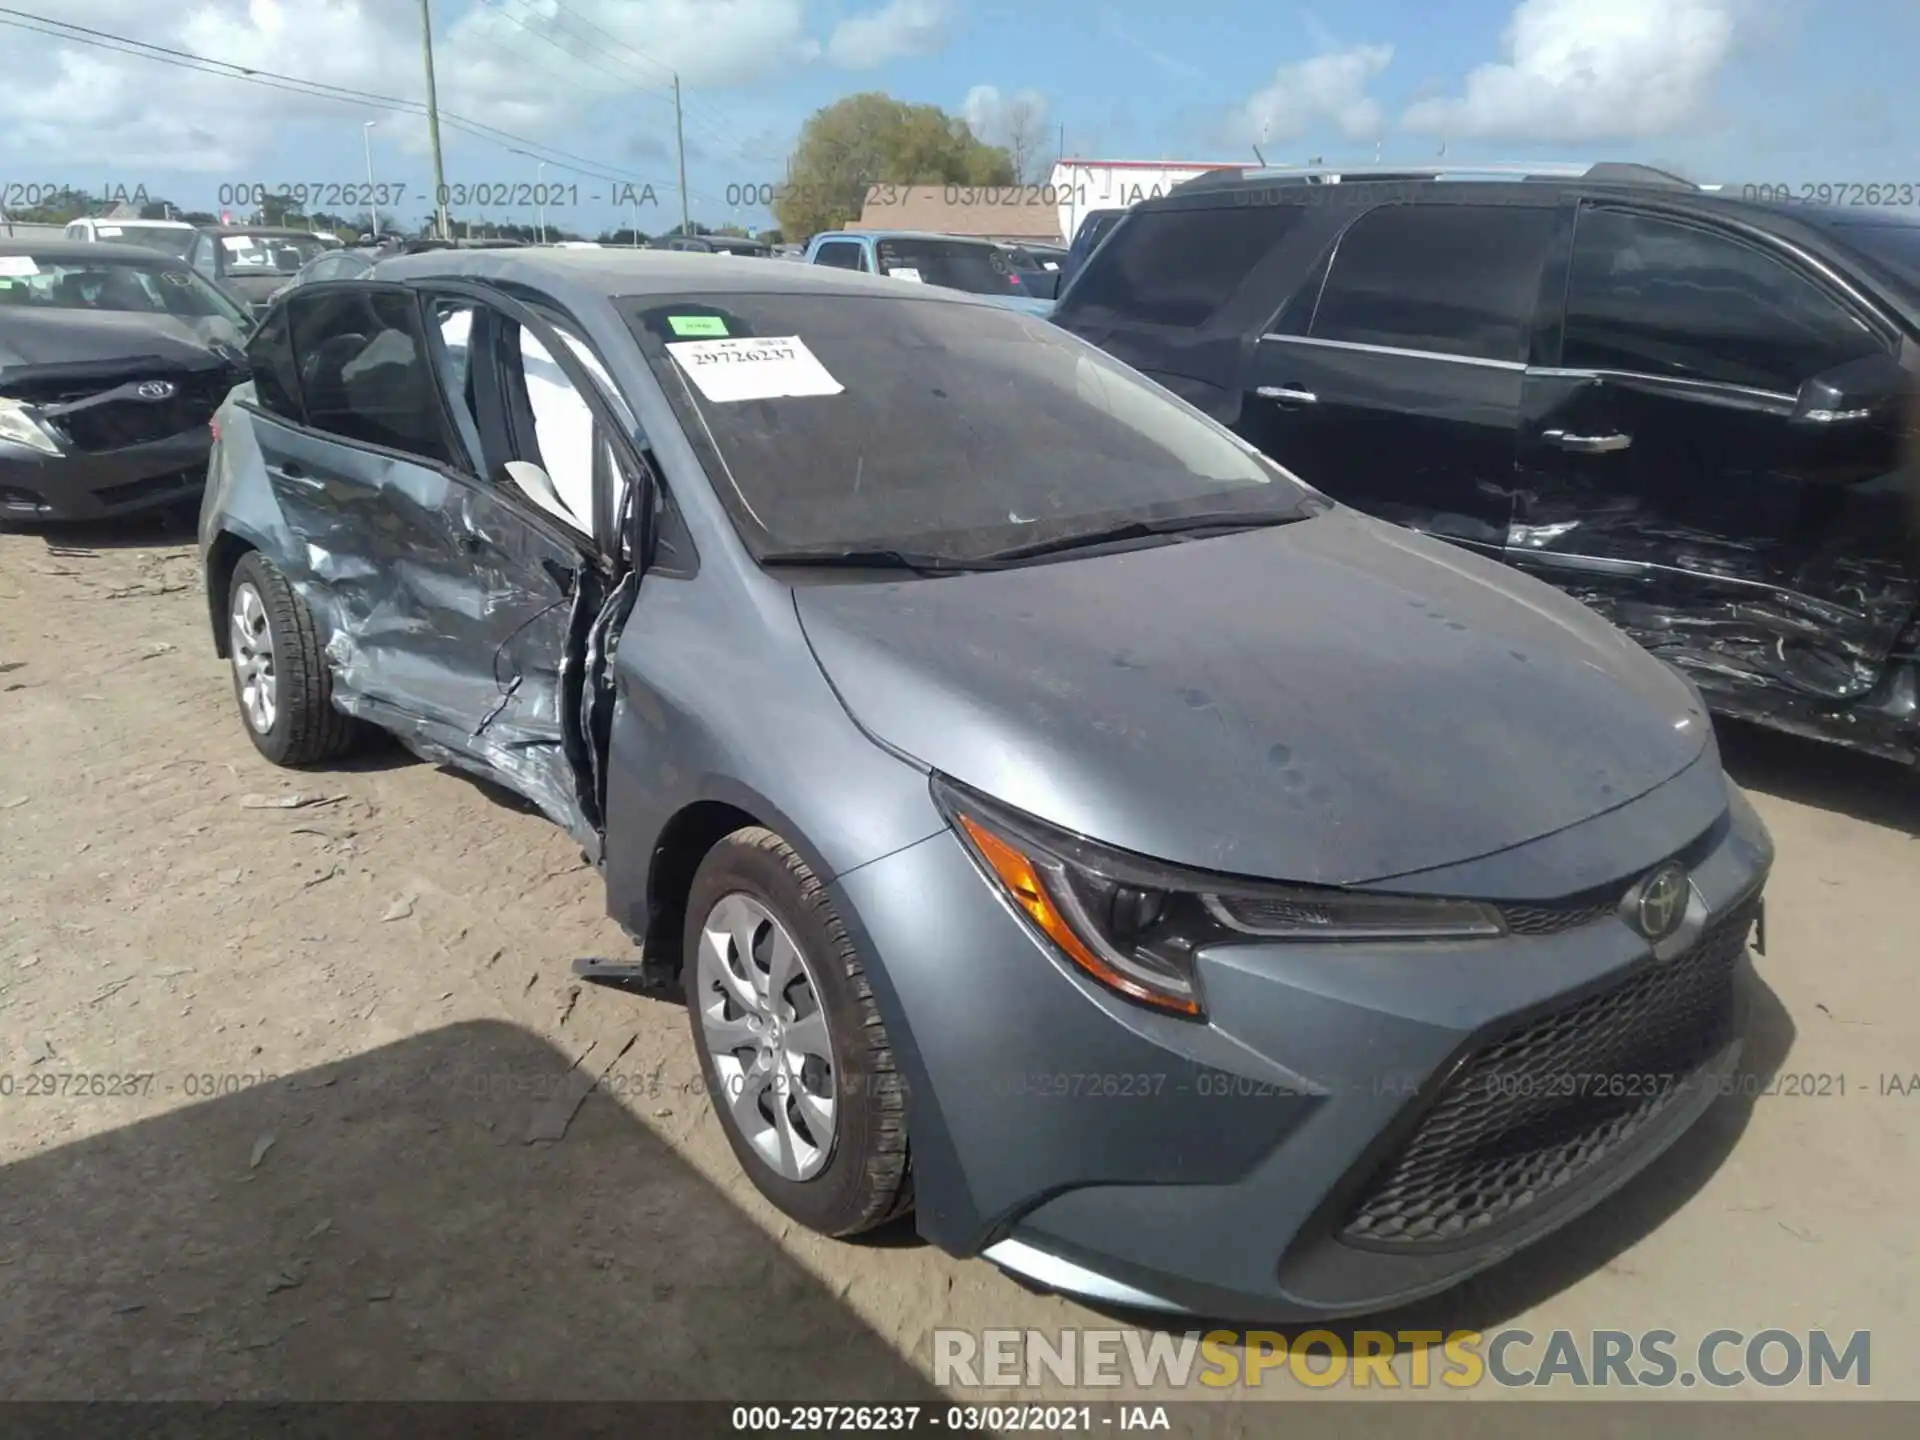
(1144, 530)
(918, 561)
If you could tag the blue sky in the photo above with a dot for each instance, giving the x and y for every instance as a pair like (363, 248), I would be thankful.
(1731, 90)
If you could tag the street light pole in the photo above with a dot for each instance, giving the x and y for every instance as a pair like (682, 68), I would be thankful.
(540, 198)
(433, 125)
(373, 213)
(680, 148)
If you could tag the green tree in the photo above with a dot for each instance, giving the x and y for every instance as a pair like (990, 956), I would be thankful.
(873, 139)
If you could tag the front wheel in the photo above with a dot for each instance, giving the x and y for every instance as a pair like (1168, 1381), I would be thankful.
(792, 1048)
(280, 672)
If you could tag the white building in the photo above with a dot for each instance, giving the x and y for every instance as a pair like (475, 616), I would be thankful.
(1082, 186)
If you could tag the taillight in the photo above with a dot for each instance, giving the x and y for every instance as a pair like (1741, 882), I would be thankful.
(214, 426)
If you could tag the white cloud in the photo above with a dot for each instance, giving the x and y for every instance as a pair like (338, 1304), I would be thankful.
(992, 115)
(1327, 89)
(1579, 70)
(901, 29)
(531, 67)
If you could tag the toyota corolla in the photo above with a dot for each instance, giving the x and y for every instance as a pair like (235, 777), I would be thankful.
(1062, 822)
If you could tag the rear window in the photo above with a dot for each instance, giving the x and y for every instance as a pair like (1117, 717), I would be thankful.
(856, 422)
(977, 268)
(1451, 279)
(1178, 267)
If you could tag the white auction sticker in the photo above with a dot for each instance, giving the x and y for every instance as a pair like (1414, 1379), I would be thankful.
(771, 368)
(110, 230)
(18, 265)
(237, 242)
(906, 272)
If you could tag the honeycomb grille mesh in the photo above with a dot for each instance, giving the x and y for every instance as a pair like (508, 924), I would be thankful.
(1533, 1111)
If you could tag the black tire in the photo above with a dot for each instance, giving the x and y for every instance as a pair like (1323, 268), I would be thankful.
(866, 1180)
(306, 727)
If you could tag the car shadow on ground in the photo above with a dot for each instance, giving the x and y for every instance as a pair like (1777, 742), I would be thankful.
(383, 1228)
(1825, 776)
(1595, 1241)
(145, 529)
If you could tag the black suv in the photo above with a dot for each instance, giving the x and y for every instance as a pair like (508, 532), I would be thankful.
(1694, 412)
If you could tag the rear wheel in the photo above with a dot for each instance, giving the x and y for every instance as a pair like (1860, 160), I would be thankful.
(280, 673)
(795, 1057)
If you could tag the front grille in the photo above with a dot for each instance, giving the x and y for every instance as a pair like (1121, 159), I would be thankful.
(1535, 1110)
(1562, 915)
(120, 423)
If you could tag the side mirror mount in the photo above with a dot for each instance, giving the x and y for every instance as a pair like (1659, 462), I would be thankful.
(535, 484)
(1851, 393)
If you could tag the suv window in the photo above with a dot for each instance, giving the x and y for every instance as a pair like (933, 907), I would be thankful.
(1178, 267)
(1658, 297)
(364, 371)
(270, 355)
(841, 254)
(1451, 279)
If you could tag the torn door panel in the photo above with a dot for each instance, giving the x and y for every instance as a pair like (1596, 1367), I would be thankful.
(1796, 616)
(450, 621)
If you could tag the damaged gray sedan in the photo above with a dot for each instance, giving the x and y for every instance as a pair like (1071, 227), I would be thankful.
(1063, 823)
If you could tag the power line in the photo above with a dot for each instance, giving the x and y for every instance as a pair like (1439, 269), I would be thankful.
(728, 139)
(645, 59)
(313, 89)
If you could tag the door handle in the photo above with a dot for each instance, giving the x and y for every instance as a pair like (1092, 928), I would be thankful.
(1291, 393)
(1587, 444)
(467, 543)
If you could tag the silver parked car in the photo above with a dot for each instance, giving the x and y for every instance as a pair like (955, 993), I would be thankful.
(1061, 821)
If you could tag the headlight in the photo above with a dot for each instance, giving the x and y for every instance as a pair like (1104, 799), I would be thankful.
(1135, 925)
(18, 424)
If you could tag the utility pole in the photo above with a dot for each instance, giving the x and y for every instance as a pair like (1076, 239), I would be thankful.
(433, 125)
(680, 145)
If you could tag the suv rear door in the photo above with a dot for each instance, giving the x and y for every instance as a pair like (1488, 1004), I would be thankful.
(1396, 385)
(1665, 477)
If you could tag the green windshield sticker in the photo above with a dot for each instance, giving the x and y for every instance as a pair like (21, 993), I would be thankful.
(697, 325)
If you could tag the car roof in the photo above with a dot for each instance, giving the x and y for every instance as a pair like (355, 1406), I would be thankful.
(904, 235)
(620, 272)
(155, 224)
(286, 230)
(76, 251)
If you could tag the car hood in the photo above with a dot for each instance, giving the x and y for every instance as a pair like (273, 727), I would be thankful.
(1025, 304)
(1334, 701)
(30, 339)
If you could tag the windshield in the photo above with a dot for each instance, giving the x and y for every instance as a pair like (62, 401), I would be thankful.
(270, 254)
(973, 266)
(165, 238)
(154, 289)
(1894, 244)
(909, 423)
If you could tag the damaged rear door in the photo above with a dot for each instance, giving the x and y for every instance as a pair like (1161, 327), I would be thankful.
(1679, 470)
(454, 603)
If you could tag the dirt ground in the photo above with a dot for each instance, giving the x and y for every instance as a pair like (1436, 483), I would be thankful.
(351, 1172)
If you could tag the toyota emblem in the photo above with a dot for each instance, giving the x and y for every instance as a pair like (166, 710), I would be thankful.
(1660, 904)
(154, 389)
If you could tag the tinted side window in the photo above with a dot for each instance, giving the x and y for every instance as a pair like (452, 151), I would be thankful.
(1455, 279)
(1177, 267)
(364, 371)
(270, 353)
(1662, 298)
(841, 254)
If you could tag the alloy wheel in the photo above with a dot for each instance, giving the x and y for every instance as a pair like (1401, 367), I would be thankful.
(767, 1037)
(251, 645)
